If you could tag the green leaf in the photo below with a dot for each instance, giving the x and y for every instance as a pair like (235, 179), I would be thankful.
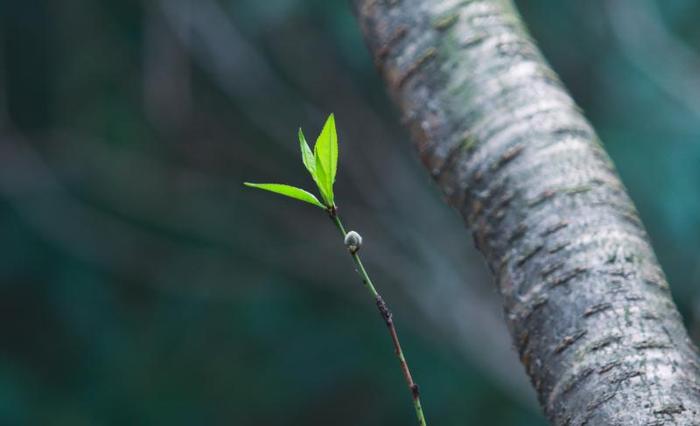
(326, 154)
(306, 155)
(289, 191)
(310, 163)
(322, 183)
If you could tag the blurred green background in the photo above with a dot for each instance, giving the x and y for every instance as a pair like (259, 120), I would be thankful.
(141, 284)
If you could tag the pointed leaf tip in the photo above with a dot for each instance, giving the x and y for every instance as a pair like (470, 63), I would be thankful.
(326, 155)
(288, 191)
(307, 157)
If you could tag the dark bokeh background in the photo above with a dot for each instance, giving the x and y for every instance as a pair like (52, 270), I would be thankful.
(141, 284)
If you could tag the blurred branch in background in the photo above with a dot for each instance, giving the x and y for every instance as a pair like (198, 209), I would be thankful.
(647, 43)
(235, 66)
(4, 119)
(166, 74)
(667, 62)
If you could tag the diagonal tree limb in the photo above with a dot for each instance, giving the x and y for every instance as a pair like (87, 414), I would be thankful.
(586, 301)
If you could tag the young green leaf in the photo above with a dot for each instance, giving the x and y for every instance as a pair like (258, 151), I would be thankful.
(289, 191)
(323, 183)
(309, 161)
(326, 154)
(306, 155)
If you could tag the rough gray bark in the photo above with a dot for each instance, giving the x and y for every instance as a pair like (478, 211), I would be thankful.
(587, 304)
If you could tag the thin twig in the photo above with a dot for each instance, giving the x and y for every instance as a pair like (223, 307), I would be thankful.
(388, 320)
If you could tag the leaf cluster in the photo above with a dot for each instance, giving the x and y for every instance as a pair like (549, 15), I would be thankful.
(321, 163)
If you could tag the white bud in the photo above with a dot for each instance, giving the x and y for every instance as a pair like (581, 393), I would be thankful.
(353, 241)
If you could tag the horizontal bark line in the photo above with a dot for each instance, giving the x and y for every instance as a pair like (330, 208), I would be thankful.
(586, 301)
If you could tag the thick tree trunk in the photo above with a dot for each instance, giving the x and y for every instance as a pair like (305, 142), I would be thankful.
(586, 301)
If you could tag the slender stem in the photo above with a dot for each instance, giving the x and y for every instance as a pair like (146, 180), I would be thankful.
(387, 316)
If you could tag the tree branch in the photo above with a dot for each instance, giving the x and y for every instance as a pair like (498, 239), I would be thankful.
(386, 314)
(587, 303)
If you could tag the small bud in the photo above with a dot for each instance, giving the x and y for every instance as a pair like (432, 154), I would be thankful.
(353, 241)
